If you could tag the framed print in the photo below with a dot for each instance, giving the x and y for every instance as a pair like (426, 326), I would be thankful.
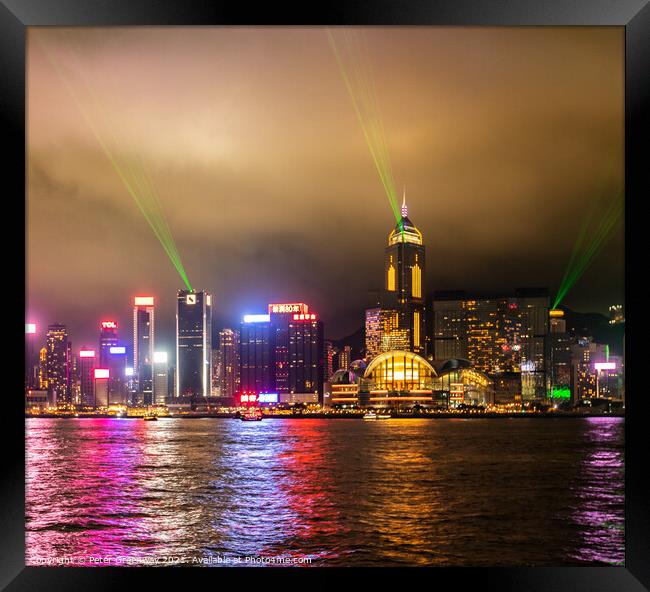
(346, 288)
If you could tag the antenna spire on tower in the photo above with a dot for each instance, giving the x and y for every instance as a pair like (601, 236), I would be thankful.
(405, 210)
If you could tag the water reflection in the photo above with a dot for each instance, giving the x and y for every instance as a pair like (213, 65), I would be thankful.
(348, 492)
(600, 496)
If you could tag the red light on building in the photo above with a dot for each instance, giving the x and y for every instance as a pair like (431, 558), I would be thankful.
(101, 373)
(143, 301)
(304, 317)
(87, 353)
(109, 325)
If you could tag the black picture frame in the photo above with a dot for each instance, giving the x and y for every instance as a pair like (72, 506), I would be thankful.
(633, 15)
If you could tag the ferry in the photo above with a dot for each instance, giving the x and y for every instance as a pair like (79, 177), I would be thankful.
(149, 418)
(251, 415)
(373, 415)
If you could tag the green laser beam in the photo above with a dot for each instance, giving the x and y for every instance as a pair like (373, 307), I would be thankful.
(359, 83)
(132, 174)
(584, 254)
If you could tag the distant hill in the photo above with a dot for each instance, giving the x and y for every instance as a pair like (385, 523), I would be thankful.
(356, 341)
(596, 325)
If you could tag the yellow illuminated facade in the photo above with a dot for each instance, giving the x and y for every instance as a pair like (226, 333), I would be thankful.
(400, 371)
(416, 329)
(416, 281)
(390, 278)
(404, 268)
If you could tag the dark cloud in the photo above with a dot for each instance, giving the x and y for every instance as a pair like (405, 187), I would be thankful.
(503, 138)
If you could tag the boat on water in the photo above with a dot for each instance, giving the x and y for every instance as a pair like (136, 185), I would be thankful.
(251, 415)
(149, 418)
(373, 415)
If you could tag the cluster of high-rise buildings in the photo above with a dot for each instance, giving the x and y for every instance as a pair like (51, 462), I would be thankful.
(444, 348)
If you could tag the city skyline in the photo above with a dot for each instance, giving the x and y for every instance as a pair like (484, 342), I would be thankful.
(482, 142)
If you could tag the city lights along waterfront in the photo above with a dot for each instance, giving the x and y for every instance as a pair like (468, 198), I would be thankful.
(525, 468)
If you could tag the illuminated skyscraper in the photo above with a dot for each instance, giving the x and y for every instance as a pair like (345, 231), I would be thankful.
(42, 369)
(102, 377)
(257, 354)
(383, 332)
(404, 274)
(329, 359)
(58, 367)
(193, 343)
(306, 355)
(107, 339)
(280, 316)
(160, 378)
(87, 376)
(229, 371)
(30, 360)
(345, 357)
(118, 392)
(558, 375)
(143, 345)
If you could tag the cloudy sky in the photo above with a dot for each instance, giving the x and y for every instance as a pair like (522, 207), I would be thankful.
(504, 139)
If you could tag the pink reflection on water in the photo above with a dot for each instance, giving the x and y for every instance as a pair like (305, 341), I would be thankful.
(600, 493)
(91, 505)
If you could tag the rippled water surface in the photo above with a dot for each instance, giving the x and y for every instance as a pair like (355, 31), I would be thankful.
(341, 492)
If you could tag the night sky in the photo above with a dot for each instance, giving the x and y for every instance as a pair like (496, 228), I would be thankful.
(503, 138)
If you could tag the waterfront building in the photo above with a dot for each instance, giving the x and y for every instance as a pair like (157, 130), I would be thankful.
(497, 334)
(143, 345)
(217, 371)
(280, 315)
(160, 378)
(559, 344)
(102, 377)
(257, 354)
(31, 374)
(306, 357)
(42, 369)
(449, 326)
(108, 338)
(404, 273)
(118, 393)
(345, 357)
(329, 359)
(229, 365)
(87, 359)
(193, 343)
(383, 332)
(57, 365)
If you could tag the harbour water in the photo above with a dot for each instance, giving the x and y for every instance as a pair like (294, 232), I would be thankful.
(409, 492)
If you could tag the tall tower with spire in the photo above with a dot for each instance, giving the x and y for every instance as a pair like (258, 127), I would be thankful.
(404, 280)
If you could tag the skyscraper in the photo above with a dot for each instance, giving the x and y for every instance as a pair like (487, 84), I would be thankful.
(345, 357)
(404, 274)
(30, 360)
(107, 339)
(143, 345)
(383, 332)
(193, 343)
(58, 368)
(117, 384)
(160, 378)
(87, 377)
(329, 359)
(257, 354)
(229, 372)
(280, 315)
(306, 355)
(558, 375)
